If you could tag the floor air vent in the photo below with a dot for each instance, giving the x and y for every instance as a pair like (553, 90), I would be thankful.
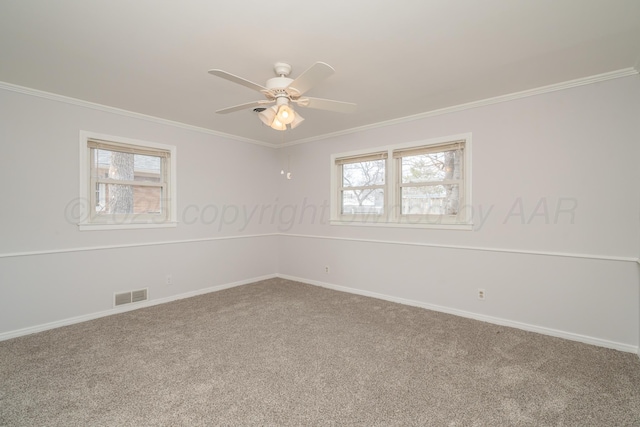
(122, 298)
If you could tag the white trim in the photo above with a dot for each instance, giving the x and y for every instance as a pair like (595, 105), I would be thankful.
(469, 248)
(124, 226)
(131, 245)
(467, 314)
(127, 307)
(309, 236)
(434, 225)
(490, 319)
(94, 106)
(625, 72)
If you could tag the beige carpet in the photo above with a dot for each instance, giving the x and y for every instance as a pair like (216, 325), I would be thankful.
(283, 353)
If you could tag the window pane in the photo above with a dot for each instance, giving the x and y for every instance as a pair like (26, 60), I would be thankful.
(431, 200)
(369, 201)
(432, 167)
(147, 168)
(362, 174)
(128, 199)
(126, 166)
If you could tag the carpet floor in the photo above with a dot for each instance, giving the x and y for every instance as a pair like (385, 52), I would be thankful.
(277, 353)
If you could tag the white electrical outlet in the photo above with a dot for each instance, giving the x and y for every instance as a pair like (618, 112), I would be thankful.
(481, 293)
(169, 279)
(326, 269)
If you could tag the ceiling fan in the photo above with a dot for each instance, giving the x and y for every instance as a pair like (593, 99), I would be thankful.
(283, 91)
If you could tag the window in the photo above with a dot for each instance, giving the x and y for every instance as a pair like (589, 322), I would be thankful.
(430, 179)
(126, 183)
(424, 184)
(362, 183)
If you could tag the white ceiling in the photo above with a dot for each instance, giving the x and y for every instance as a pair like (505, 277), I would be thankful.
(393, 58)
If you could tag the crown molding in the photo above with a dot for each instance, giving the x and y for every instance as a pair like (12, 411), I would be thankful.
(126, 113)
(625, 72)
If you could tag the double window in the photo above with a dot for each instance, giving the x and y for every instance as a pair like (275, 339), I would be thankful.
(125, 183)
(425, 184)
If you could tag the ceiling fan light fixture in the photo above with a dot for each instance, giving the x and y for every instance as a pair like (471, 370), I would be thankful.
(267, 115)
(277, 125)
(286, 115)
(298, 119)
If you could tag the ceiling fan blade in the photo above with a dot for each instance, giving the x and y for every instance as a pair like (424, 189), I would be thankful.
(243, 106)
(312, 76)
(327, 104)
(239, 80)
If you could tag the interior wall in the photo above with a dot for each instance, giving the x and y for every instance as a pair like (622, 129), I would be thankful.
(556, 233)
(555, 184)
(51, 272)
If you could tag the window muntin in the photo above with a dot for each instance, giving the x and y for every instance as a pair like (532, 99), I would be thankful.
(127, 184)
(426, 184)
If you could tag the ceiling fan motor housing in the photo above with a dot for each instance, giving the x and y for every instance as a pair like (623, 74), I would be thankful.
(282, 69)
(278, 82)
(281, 82)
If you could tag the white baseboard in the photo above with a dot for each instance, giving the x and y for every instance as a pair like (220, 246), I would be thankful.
(129, 307)
(489, 319)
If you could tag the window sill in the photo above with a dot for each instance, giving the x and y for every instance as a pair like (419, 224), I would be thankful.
(428, 225)
(124, 226)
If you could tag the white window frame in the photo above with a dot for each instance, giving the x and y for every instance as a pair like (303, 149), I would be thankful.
(392, 216)
(89, 220)
(363, 158)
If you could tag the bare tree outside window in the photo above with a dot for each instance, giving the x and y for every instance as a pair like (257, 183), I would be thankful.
(121, 196)
(363, 187)
(430, 183)
(138, 192)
